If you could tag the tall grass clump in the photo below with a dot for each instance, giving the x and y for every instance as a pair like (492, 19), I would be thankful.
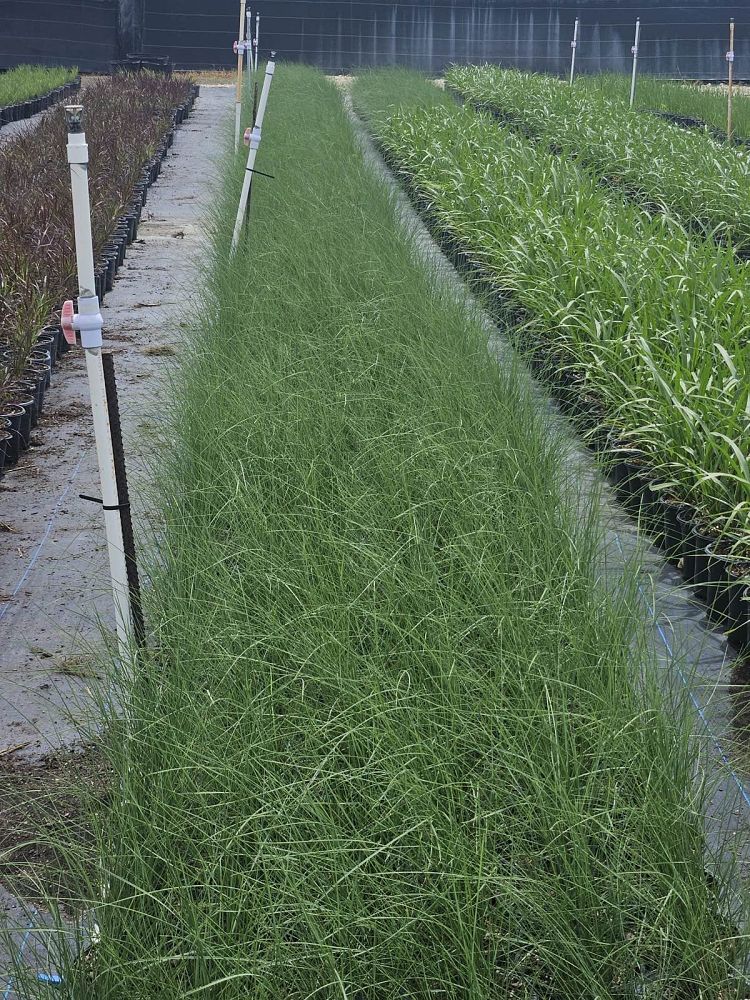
(664, 167)
(645, 316)
(396, 739)
(27, 81)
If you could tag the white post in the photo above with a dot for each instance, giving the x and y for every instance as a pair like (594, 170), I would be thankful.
(573, 47)
(253, 152)
(257, 37)
(634, 50)
(240, 61)
(248, 39)
(730, 78)
(88, 321)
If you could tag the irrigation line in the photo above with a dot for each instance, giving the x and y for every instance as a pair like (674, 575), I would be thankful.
(19, 957)
(50, 523)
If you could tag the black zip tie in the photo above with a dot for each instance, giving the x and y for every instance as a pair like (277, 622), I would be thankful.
(115, 506)
(261, 172)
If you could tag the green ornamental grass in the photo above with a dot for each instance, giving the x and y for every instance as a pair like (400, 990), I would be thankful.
(649, 317)
(24, 82)
(664, 167)
(397, 739)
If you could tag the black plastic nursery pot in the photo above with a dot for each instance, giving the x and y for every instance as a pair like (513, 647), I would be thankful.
(693, 552)
(13, 414)
(5, 440)
(672, 528)
(26, 396)
(61, 344)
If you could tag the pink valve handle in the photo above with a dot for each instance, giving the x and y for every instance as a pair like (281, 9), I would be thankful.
(246, 136)
(235, 47)
(66, 322)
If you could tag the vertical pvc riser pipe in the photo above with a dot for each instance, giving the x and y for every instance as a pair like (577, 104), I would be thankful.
(89, 322)
(730, 78)
(573, 47)
(252, 153)
(634, 50)
(248, 39)
(257, 38)
(240, 62)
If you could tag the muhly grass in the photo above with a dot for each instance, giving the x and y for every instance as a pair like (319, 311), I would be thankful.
(395, 738)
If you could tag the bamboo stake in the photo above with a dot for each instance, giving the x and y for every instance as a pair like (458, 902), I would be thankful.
(730, 64)
(240, 62)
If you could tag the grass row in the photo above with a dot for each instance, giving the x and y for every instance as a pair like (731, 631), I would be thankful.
(667, 168)
(397, 739)
(708, 104)
(24, 82)
(648, 319)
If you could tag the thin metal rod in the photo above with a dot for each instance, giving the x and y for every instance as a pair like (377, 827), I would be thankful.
(257, 38)
(634, 50)
(126, 519)
(573, 47)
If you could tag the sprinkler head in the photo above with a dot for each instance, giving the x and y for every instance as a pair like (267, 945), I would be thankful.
(74, 116)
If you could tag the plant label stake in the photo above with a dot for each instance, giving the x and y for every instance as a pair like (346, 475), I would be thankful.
(252, 138)
(257, 37)
(730, 79)
(239, 49)
(573, 47)
(88, 321)
(634, 50)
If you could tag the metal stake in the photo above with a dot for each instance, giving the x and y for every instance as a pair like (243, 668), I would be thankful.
(730, 64)
(573, 47)
(634, 50)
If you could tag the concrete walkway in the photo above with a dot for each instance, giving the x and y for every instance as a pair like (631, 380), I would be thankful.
(54, 587)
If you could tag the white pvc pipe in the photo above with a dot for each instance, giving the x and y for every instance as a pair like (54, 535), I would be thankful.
(89, 322)
(238, 93)
(257, 37)
(252, 153)
(249, 37)
(634, 50)
(573, 47)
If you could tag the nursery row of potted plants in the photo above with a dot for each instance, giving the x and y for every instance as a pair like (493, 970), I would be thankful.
(25, 375)
(34, 105)
(672, 169)
(689, 105)
(444, 158)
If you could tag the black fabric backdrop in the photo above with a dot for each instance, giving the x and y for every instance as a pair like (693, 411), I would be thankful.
(678, 39)
(81, 32)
